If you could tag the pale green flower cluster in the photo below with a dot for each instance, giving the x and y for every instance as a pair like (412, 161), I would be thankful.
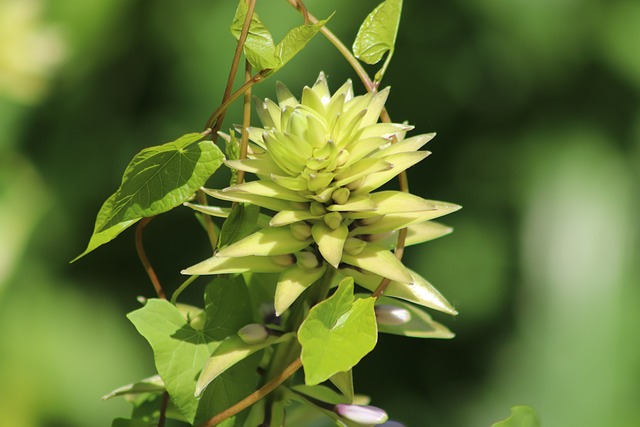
(318, 162)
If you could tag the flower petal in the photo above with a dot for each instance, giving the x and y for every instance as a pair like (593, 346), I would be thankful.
(362, 168)
(330, 242)
(242, 197)
(407, 145)
(256, 166)
(392, 222)
(227, 265)
(399, 162)
(398, 201)
(268, 241)
(291, 216)
(380, 261)
(420, 292)
(267, 189)
(292, 282)
(355, 203)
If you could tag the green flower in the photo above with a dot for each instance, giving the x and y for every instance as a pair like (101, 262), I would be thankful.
(318, 162)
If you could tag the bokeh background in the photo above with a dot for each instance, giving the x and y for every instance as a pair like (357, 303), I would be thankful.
(537, 108)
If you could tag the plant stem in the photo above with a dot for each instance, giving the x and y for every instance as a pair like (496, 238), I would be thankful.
(246, 120)
(255, 396)
(163, 409)
(182, 287)
(145, 261)
(251, 6)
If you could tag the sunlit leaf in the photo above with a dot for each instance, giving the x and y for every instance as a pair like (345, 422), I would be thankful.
(259, 47)
(241, 222)
(296, 39)
(229, 352)
(181, 351)
(156, 180)
(336, 334)
(151, 384)
(521, 416)
(377, 34)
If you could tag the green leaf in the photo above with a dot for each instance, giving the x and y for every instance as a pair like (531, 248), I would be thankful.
(151, 384)
(296, 39)
(336, 334)
(521, 416)
(377, 34)
(146, 411)
(229, 352)
(321, 393)
(259, 47)
(156, 180)
(180, 351)
(241, 222)
(421, 324)
(344, 382)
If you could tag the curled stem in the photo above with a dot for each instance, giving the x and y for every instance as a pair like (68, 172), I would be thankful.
(182, 287)
(256, 395)
(145, 260)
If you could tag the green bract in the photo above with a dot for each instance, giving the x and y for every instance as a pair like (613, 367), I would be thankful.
(318, 161)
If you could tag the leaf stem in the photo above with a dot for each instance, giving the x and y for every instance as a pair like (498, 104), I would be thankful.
(145, 261)
(256, 395)
(182, 287)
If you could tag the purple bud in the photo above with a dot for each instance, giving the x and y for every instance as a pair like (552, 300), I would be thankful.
(362, 414)
(391, 315)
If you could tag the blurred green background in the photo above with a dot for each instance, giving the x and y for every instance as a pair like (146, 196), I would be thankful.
(537, 108)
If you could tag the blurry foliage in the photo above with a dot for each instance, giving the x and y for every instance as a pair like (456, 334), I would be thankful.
(537, 107)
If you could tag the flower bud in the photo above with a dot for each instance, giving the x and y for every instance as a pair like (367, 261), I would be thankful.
(253, 333)
(301, 230)
(391, 315)
(307, 260)
(317, 209)
(341, 195)
(343, 157)
(354, 185)
(333, 220)
(283, 260)
(354, 246)
(361, 414)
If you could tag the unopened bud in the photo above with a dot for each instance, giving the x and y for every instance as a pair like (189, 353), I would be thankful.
(341, 195)
(283, 260)
(354, 185)
(307, 260)
(361, 414)
(353, 246)
(317, 209)
(253, 333)
(333, 220)
(301, 230)
(343, 157)
(391, 315)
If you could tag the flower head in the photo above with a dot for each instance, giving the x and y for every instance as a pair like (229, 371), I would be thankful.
(318, 161)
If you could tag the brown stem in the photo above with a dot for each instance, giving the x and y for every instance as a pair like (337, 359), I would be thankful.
(246, 120)
(256, 395)
(145, 261)
(163, 409)
(251, 6)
